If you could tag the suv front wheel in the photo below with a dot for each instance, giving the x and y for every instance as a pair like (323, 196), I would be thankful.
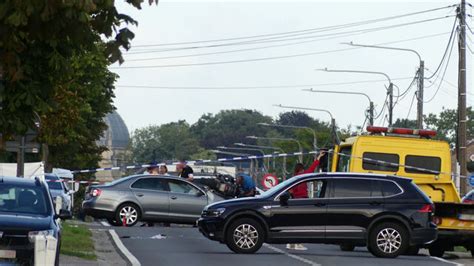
(388, 240)
(245, 235)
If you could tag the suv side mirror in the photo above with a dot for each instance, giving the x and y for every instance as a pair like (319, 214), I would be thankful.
(64, 214)
(284, 198)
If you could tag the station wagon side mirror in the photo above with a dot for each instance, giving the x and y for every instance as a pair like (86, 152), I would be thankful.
(284, 197)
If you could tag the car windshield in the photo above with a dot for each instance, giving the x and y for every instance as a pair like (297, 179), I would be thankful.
(54, 185)
(21, 199)
(276, 188)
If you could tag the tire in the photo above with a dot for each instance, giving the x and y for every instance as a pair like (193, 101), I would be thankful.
(436, 251)
(412, 250)
(58, 250)
(113, 222)
(347, 247)
(388, 240)
(245, 236)
(130, 211)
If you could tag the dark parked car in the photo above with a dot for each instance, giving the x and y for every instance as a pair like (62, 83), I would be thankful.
(149, 198)
(388, 214)
(26, 211)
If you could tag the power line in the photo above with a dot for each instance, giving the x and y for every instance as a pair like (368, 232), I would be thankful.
(255, 87)
(268, 46)
(411, 104)
(446, 50)
(305, 30)
(444, 73)
(234, 61)
(279, 39)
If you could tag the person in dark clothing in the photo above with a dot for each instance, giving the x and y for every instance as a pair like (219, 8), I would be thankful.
(184, 171)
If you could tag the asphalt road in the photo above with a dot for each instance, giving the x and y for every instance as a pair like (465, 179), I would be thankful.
(186, 246)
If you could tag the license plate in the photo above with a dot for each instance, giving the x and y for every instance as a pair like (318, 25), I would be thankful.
(7, 254)
(466, 217)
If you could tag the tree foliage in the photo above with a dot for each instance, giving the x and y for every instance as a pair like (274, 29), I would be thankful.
(445, 123)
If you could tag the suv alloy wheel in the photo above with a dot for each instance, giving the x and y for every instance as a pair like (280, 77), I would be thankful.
(245, 236)
(388, 240)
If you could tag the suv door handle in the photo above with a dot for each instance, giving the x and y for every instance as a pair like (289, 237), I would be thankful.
(320, 204)
(140, 195)
(173, 197)
(375, 203)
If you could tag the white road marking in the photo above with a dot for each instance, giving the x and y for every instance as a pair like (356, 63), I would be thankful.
(446, 261)
(134, 261)
(104, 223)
(293, 256)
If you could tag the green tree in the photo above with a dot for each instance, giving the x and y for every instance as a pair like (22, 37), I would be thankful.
(228, 127)
(405, 123)
(445, 123)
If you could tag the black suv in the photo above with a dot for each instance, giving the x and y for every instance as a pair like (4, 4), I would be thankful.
(388, 214)
(26, 212)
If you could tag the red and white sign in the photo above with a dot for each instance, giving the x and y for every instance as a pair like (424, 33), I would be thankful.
(269, 181)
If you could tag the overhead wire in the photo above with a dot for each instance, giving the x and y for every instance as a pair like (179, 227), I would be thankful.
(411, 104)
(351, 24)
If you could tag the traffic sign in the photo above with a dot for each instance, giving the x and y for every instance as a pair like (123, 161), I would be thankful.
(471, 180)
(14, 146)
(269, 181)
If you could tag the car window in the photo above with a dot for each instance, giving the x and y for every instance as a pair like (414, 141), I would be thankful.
(344, 159)
(351, 188)
(312, 189)
(177, 186)
(389, 188)
(29, 200)
(380, 161)
(54, 184)
(150, 183)
(425, 162)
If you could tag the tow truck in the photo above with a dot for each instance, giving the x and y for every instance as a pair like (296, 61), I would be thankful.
(414, 154)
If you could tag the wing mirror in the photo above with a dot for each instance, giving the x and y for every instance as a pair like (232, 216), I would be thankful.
(284, 198)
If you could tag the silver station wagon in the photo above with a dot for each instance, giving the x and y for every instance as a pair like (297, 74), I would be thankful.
(148, 198)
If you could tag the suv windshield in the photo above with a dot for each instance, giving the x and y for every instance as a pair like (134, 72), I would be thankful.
(17, 199)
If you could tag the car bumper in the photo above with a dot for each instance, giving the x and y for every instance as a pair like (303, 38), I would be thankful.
(89, 209)
(212, 228)
(422, 236)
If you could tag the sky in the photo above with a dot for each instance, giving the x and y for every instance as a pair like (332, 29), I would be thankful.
(153, 90)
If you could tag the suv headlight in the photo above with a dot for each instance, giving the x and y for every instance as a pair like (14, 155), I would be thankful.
(214, 213)
(45, 233)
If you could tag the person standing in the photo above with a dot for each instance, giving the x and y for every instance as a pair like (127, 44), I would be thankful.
(163, 170)
(301, 191)
(185, 171)
(153, 169)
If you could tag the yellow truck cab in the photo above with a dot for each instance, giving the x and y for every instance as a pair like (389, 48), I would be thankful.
(411, 153)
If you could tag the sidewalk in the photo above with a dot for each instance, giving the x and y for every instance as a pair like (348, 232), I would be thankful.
(104, 249)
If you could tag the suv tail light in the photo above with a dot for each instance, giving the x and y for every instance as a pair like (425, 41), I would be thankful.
(427, 208)
(96, 192)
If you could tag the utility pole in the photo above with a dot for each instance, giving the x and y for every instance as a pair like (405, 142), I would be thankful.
(419, 95)
(390, 104)
(462, 120)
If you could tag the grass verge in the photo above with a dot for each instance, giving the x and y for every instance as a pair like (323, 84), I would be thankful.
(76, 240)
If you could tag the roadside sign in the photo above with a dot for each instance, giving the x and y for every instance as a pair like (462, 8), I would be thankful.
(269, 181)
(471, 180)
(14, 146)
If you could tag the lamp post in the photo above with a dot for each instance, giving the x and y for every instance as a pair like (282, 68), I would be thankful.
(421, 77)
(371, 104)
(389, 91)
(282, 139)
(315, 145)
(333, 121)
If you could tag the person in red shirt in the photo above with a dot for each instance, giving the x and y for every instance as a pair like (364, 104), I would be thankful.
(301, 191)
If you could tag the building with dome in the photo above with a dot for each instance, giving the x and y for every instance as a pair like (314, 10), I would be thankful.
(116, 139)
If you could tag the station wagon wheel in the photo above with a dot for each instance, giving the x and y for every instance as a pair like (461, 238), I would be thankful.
(388, 240)
(129, 213)
(245, 235)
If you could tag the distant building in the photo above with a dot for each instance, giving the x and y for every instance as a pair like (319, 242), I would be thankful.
(116, 139)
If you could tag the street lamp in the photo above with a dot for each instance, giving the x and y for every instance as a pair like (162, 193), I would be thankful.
(389, 91)
(315, 146)
(259, 147)
(333, 121)
(371, 104)
(281, 139)
(421, 75)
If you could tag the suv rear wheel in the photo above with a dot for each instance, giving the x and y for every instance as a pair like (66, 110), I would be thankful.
(245, 235)
(388, 240)
(128, 212)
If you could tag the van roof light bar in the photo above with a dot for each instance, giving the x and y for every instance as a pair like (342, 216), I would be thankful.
(427, 133)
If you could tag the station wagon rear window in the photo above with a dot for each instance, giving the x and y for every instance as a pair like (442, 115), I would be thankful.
(380, 161)
(430, 164)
